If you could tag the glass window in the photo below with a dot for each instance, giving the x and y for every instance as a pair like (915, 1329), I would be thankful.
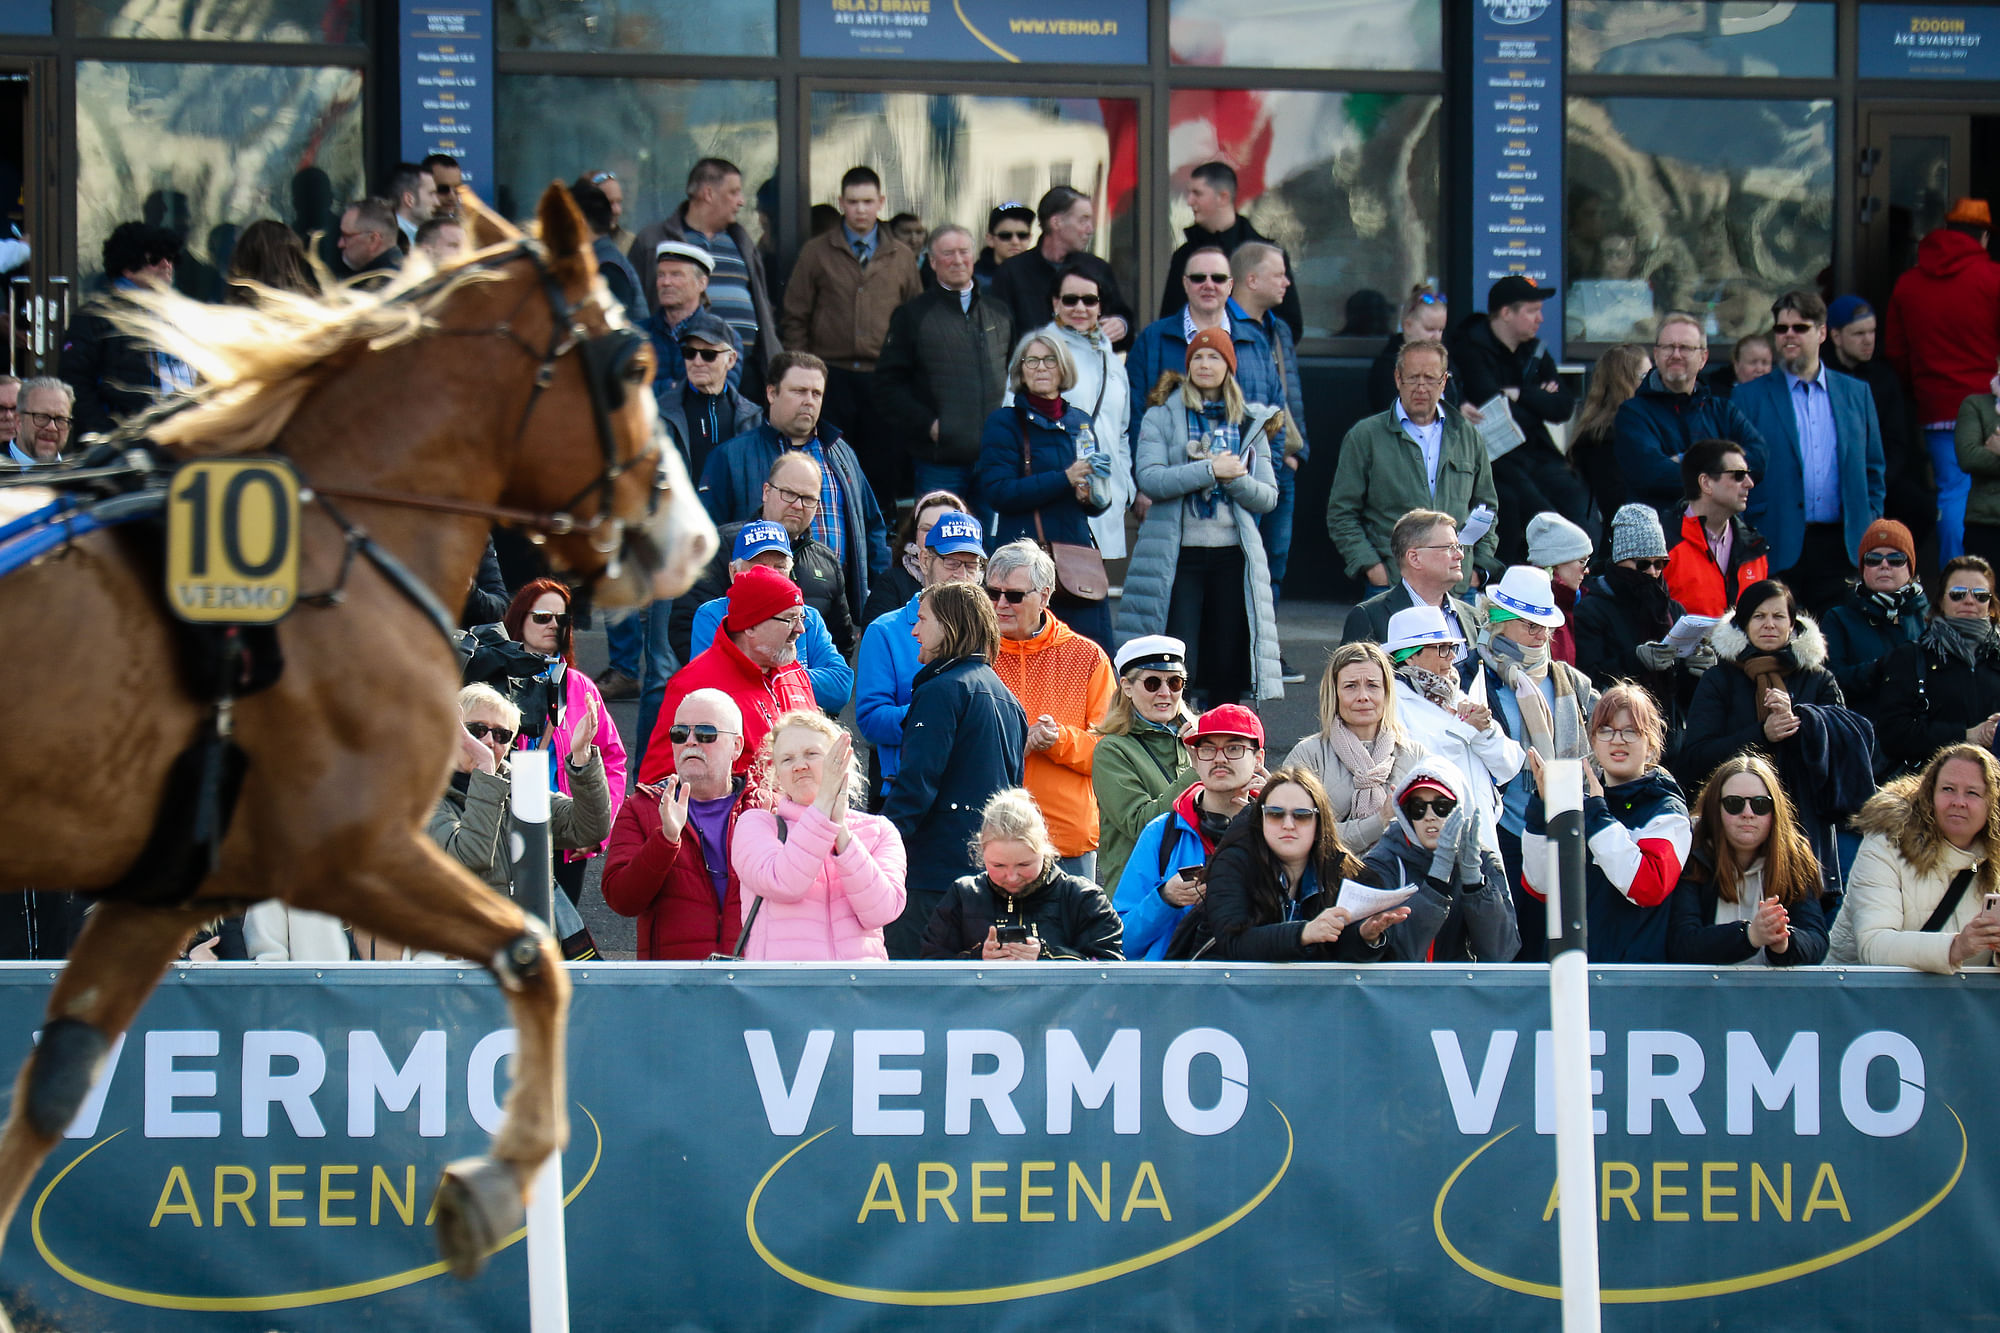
(952, 158)
(1792, 38)
(648, 131)
(1347, 183)
(198, 20)
(1713, 207)
(1306, 34)
(684, 27)
(207, 149)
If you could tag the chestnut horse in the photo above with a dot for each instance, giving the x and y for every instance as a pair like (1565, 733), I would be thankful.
(433, 407)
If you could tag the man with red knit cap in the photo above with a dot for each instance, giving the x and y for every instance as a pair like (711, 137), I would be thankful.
(754, 660)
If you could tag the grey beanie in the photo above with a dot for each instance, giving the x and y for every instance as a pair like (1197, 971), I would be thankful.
(1554, 540)
(1636, 534)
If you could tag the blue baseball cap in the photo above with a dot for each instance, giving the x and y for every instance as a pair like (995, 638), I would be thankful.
(955, 532)
(760, 535)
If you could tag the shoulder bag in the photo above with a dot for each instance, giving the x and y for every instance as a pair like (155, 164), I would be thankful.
(1079, 568)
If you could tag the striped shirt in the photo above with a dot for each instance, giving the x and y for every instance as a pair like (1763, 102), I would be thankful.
(829, 525)
(729, 286)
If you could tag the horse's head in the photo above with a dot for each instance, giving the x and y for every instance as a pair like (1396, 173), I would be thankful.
(595, 448)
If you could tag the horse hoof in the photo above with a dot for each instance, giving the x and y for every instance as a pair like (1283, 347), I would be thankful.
(65, 1065)
(478, 1204)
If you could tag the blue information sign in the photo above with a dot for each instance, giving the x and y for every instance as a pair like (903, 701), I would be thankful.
(1069, 32)
(446, 59)
(26, 18)
(1517, 148)
(1930, 42)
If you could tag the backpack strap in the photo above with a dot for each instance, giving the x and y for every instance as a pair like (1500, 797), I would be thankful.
(1949, 903)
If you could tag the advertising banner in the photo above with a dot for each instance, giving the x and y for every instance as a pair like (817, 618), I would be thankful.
(1063, 32)
(1035, 1147)
(1930, 42)
(1516, 97)
(445, 53)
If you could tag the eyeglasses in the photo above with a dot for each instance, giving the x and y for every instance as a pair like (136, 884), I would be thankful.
(1893, 559)
(1231, 750)
(1421, 807)
(46, 419)
(1011, 235)
(1678, 349)
(1733, 473)
(1456, 548)
(794, 499)
(1014, 596)
(1793, 328)
(481, 730)
(1078, 298)
(1649, 565)
(1426, 381)
(703, 353)
(1617, 735)
(702, 732)
(1154, 684)
(1274, 814)
(1039, 362)
(549, 618)
(1758, 805)
(1217, 278)
(1980, 595)
(793, 621)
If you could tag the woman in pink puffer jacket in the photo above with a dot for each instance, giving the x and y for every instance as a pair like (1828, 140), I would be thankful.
(832, 877)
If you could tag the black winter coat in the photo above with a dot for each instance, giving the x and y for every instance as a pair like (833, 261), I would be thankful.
(1483, 367)
(821, 582)
(1245, 935)
(1928, 699)
(1070, 915)
(112, 373)
(1858, 643)
(964, 738)
(942, 364)
(1694, 937)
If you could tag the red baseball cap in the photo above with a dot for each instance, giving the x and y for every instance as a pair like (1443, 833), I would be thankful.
(1227, 720)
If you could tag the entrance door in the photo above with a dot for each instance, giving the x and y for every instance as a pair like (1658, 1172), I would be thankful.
(33, 232)
(1916, 162)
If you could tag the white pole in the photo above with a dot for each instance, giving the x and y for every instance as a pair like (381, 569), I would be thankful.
(1569, 1023)
(534, 885)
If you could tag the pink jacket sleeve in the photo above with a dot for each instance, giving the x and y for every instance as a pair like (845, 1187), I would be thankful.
(783, 872)
(609, 743)
(872, 870)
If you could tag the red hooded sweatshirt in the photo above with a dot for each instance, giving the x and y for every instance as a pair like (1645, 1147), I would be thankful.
(1942, 332)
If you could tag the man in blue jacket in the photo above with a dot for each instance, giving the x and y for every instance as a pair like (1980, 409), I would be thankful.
(1162, 345)
(847, 519)
(954, 552)
(1823, 480)
(1262, 281)
(1671, 410)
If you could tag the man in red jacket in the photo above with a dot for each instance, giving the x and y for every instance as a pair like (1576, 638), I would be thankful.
(754, 660)
(1943, 336)
(668, 863)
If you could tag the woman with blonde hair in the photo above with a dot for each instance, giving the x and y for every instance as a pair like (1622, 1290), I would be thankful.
(1592, 454)
(1930, 853)
(1140, 765)
(1361, 752)
(830, 875)
(1750, 890)
(1022, 907)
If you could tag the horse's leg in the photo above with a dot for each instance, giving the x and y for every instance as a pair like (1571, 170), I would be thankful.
(113, 968)
(413, 893)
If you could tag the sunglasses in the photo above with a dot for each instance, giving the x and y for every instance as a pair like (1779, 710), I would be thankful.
(1893, 559)
(1980, 595)
(1010, 235)
(1431, 298)
(1733, 473)
(560, 618)
(1154, 684)
(603, 176)
(1793, 328)
(1757, 805)
(1014, 596)
(1217, 278)
(1079, 298)
(1275, 814)
(703, 354)
(1649, 565)
(703, 733)
(481, 730)
(1420, 807)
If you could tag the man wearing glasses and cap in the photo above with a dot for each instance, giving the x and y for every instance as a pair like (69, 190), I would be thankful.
(762, 542)
(680, 282)
(1009, 229)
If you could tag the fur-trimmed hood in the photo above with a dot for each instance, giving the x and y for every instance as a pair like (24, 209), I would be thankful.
(1892, 812)
(1808, 644)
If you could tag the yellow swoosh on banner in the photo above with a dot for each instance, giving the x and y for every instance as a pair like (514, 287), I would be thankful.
(990, 44)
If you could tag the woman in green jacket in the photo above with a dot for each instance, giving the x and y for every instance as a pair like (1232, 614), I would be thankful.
(1140, 765)
(1978, 442)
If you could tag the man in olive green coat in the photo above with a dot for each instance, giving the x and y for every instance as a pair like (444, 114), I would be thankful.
(1417, 455)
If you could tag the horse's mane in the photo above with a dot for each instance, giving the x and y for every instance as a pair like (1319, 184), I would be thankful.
(255, 364)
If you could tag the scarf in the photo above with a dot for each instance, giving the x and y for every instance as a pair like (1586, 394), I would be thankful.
(1644, 598)
(1767, 671)
(1369, 765)
(1891, 607)
(1962, 640)
(1211, 432)
(1554, 733)
(913, 562)
(1440, 690)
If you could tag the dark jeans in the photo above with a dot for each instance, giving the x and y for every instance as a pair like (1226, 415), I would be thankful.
(1821, 576)
(1983, 540)
(850, 405)
(1535, 479)
(1210, 614)
(1277, 526)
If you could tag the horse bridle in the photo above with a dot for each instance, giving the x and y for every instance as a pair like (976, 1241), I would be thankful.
(606, 357)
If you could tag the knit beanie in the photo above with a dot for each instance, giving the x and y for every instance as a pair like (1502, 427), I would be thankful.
(1636, 534)
(1888, 532)
(1554, 540)
(1216, 340)
(757, 595)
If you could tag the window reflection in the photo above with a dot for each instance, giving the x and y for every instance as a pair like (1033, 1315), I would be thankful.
(1763, 38)
(1709, 206)
(1294, 34)
(206, 149)
(208, 20)
(952, 158)
(689, 27)
(1347, 183)
(649, 131)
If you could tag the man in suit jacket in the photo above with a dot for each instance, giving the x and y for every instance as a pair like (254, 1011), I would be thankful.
(1424, 544)
(1824, 479)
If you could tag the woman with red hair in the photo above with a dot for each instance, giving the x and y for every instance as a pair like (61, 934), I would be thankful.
(539, 620)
